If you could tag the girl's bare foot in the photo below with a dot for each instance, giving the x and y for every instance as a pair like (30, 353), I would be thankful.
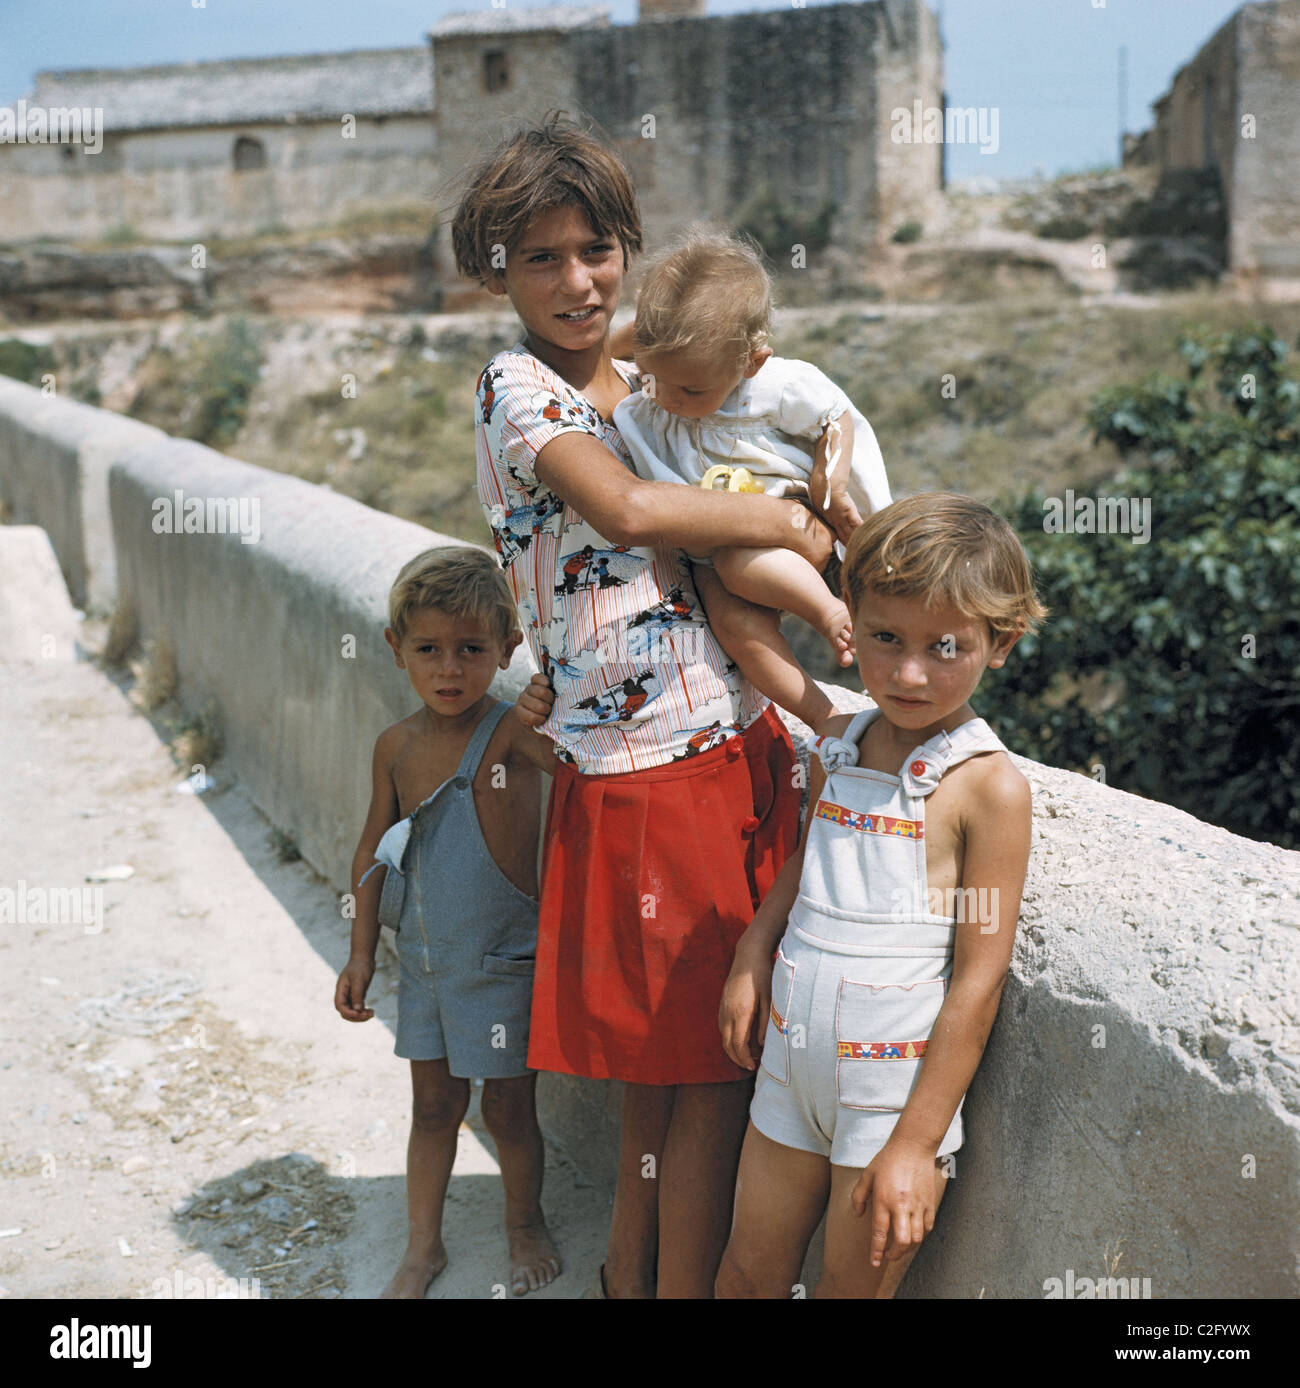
(837, 628)
(533, 1259)
(413, 1276)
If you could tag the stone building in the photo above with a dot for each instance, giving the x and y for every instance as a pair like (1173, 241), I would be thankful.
(783, 113)
(226, 148)
(711, 112)
(1235, 108)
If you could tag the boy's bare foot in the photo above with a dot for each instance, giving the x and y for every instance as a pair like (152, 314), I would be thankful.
(837, 628)
(533, 1259)
(412, 1278)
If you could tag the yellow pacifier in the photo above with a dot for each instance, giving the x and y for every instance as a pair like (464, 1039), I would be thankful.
(720, 477)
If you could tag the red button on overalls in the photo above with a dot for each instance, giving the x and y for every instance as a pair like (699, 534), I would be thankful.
(918, 768)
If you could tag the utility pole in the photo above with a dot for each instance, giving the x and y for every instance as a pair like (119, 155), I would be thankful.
(1123, 99)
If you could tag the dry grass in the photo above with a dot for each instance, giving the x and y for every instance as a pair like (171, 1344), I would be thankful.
(1023, 369)
(198, 742)
(415, 442)
(122, 635)
(1024, 374)
(155, 675)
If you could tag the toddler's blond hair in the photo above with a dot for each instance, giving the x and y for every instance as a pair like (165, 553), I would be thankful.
(707, 295)
(459, 580)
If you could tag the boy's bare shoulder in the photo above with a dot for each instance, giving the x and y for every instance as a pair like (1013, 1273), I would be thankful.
(992, 784)
(398, 737)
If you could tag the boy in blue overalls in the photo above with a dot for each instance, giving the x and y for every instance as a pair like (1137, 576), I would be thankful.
(453, 821)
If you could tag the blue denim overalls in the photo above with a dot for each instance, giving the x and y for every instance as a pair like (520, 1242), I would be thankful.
(466, 935)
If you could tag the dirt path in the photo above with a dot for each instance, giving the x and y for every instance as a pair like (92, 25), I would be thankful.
(179, 1102)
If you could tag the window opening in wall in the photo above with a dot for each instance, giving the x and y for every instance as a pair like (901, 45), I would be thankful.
(249, 153)
(496, 70)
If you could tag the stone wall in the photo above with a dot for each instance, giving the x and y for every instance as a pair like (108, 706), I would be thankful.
(182, 183)
(1140, 1091)
(705, 111)
(1249, 70)
(1265, 199)
(909, 69)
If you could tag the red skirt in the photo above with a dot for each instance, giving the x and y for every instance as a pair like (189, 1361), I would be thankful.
(648, 881)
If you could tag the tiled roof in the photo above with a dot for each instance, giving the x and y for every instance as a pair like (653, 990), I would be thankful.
(317, 86)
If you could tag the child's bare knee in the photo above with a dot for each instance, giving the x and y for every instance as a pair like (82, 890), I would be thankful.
(440, 1110)
(508, 1109)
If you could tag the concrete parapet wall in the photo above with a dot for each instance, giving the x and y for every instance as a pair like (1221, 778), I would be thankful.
(1140, 1090)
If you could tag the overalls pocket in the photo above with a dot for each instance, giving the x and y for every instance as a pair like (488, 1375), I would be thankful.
(503, 964)
(776, 1042)
(881, 1033)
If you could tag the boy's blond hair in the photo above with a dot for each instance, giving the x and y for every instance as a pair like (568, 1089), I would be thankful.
(556, 164)
(707, 295)
(458, 580)
(950, 550)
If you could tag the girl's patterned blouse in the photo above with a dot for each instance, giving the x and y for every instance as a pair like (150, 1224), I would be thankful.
(639, 678)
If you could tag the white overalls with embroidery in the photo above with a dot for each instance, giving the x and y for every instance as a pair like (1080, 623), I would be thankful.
(864, 966)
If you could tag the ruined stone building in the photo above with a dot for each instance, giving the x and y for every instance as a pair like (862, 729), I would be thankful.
(712, 112)
(200, 150)
(709, 112)
(1235, 108)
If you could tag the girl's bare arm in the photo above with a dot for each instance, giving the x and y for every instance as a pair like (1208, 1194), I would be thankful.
(629, 511)
(526, 742)
(899, 1183)
(996, 859)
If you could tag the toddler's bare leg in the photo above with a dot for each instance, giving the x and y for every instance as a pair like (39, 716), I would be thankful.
(634, 1226)
(510, 1115)
(782, 579)
(780, 1196)
(846, 1266)
(696, 1181)
(751, 636)
(439, 1103)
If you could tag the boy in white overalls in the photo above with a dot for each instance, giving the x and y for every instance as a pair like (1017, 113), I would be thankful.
(895, 918)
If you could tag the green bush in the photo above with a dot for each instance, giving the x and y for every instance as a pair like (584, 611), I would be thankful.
(24, 361)
(1186, 202)
(907, 233)
(1064, 228)
(1175, 664)
(776, 226)
(226, 374)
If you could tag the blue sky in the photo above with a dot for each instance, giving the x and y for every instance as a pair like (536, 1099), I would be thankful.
(1048, 66)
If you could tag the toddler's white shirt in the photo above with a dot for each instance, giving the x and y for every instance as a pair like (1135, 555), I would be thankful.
(769, 424)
